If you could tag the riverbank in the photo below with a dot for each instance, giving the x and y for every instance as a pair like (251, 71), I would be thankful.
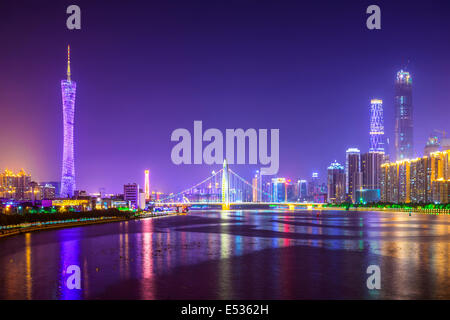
(40, 226)
(393, 210)
(50, 225)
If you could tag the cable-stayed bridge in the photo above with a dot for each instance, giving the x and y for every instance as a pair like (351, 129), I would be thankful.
(225, 188)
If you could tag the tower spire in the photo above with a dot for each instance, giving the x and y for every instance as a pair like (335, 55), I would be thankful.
(68, 63)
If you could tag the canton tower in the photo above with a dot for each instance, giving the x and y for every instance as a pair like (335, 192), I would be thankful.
(68, 89)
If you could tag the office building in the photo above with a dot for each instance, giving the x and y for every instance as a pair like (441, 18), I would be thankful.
(403, 106)
(336, 183)
(376, 126)
(279, 192)
(55, 184)
(370, 168)
(255, 188)
(290, 191)
(420, 180)
(352, 172)
(131, 194)
(302, 190)
(313, 185)
(15, 185)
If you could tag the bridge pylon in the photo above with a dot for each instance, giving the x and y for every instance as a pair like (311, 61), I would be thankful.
(225, 187)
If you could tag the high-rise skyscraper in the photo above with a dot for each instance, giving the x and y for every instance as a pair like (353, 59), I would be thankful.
(290, 191)
(15, 186)
(370, 163)
(147, 185)
(255, 188)
(371, 168)
(313, 185)
(68, 88)
(352, 170)
(403, 116)
(420, 180)
(131, 194)
(336, 183)
(279, 187)
(376, 126)
(302, 189)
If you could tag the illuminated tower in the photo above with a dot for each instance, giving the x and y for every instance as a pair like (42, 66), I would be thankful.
(225, 186)
(147, 185)
(403, 116)
(68, 88)
(376, 126)
(255, 188)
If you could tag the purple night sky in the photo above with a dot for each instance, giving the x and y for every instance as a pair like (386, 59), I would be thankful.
(146, 68)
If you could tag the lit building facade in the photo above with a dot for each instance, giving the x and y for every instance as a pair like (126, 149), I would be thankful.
(420, 180)
(352, 172)
(41, 192)
(403, 116)
(336, 183)
(147, 185)
(68, 89)
(55, 184)
(15, 185)
(225, 185)
(371, 169)
(313, 185)
(376, 126)
(131, 194)
(290, 191)
(279, 190)
(255, 188)
(302, 189)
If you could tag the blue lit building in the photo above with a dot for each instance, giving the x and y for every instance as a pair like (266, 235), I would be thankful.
(302, 189)
(336, 183)
(279, 190)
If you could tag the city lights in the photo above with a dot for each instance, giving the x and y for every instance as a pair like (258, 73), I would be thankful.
(288, 158)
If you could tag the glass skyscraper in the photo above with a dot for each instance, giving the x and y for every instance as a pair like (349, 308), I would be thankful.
(352, 171)
(376, 126)
(279, 190)
(336, 183)
(68, 88)
(403, 116)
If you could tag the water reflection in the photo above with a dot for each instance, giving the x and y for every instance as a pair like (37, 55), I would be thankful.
(266, 254)
(28, 265)
(147, 289)
(69, 255)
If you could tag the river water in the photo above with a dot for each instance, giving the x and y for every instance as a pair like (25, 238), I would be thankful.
(265, 254)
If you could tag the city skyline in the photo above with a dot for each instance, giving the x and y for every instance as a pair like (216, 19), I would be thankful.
(149, 145)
